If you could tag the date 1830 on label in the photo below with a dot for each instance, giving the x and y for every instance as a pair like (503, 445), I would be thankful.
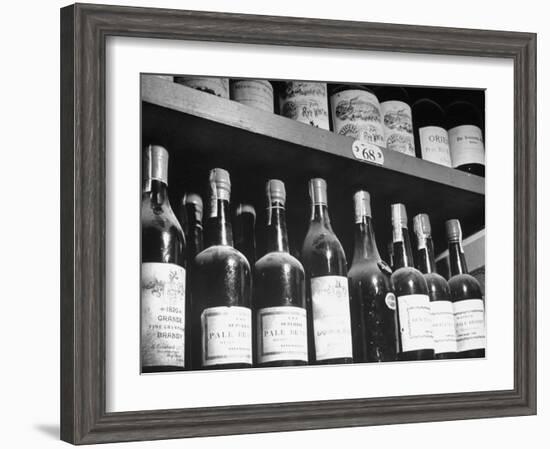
(367, 152)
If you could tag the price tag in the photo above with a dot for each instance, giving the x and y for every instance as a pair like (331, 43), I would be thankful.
(367, 152)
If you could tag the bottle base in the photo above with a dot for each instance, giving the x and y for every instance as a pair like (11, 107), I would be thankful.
(409, 356)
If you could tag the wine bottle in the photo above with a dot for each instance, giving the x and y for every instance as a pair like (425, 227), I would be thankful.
(373, 302)
(397, 119)
(430, 135)
(245, 235)
(190, 216)
(279, 292)
(329, 322)
(443, 322)
(163, 263)
(355, 112)
(468, 305)
(191, 211)
(414, 319)
(222, 316)
(464, 125)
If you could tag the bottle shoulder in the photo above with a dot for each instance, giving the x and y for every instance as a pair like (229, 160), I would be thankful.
(319, 238)
(159, 216)
(408, 280)
(279, 259)
(369, 268)
(438, 287)
(221, 254)
(464, 286)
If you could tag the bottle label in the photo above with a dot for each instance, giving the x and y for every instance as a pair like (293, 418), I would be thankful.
(356, 113)
(254, 93)
(282, 334)
(415, 322)
(305, 103)
(434, 145)
(470, 324)
(215, 86)
(443, 326)
(162, 314)
(331, 317)
(226, 335)
(398, 129)
(466, 143)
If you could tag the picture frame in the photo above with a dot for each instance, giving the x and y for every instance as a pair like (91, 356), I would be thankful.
(84, 29)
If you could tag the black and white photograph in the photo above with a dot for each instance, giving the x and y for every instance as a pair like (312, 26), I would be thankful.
(290, 222)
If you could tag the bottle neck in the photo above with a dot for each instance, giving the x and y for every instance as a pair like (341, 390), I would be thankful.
(277, 238)
(319, 214)
(365, 242)
(426, 258)
(402, 252)
(457, 261)
(156, 191)
(221, 231)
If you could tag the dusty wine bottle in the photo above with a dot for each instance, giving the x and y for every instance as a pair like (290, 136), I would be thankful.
(329, 321)
(464, 125)
(190, 217)
(211, 85)
(304, 102)
(279, 292)
(245, 231)
(468, 305)
(397, 119)
(356, 113)
(430, 136)
(414, 320)
(373, 302)
(443, 322)
(222, 316)
(254, 93)
(163, 262)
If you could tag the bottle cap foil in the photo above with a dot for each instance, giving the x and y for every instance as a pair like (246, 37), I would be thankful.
(454, 231)
(275, 191)
(318, 191)
(155, 164)
(361, 201)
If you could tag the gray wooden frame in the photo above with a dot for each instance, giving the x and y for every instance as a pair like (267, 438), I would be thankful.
(84, 29)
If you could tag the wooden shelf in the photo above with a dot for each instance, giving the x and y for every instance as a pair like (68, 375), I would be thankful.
(202, 131)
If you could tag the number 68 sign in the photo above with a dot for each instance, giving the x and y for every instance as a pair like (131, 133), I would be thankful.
(367, 152)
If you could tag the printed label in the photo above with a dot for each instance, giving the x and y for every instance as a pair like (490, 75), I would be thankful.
(466, 143)
(356, 113)
(331, 317)
(398, 129)
(226, 335)
(367, 152)
(215, 86)
(282, 334)
(162, 314)
(443, 326)
(306, 103)
(434, 145)
(415, 322)
(470, 324)
(254, 93)
(390, 301)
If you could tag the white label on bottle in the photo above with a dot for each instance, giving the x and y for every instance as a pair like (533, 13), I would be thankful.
(282, 334)
(398, 130)
(254, 93)
(356, 113)
(226, 335)
(466, 143)
(443, 326)
(368, 152)
(305, 103)
(415, 321)
(470, 324)
(390, 301)
(162, 314)
(331, 317)
(434, 145)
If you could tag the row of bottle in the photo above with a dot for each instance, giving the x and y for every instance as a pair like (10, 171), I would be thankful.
(283, 311)
(383, 116)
